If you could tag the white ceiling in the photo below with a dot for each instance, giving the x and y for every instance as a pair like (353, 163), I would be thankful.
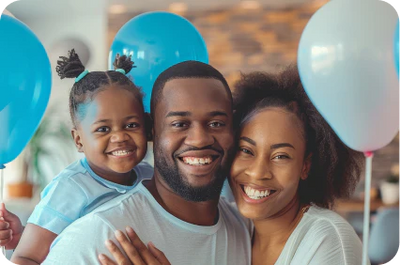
(41, 8)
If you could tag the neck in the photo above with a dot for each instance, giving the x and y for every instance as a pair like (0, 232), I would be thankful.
(198, 213)
(126, 179)
(275, 230)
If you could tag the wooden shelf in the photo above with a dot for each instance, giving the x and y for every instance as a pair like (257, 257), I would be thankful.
(346, 206)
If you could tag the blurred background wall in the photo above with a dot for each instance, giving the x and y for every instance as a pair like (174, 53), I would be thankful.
(241, 36)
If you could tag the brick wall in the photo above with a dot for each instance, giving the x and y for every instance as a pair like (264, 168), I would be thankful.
(259, 40)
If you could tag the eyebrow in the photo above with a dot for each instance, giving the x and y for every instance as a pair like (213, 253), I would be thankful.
(274, 146)
(187, 114)
(100, 121)
(178, 113)
(247, 139)
(108, 120)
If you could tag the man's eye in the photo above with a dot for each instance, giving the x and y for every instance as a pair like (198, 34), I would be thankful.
(179, 124)
(103, 129)
(216, 124)
(133, 125)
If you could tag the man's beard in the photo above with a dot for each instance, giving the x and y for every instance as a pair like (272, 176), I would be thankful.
(179, 184)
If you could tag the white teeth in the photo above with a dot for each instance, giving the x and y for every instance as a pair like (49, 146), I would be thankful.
(256, 194)
(196, 161)
(121, 152)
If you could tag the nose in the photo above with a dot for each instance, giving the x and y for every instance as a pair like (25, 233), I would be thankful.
(259, 169)
(119, 136)
(198, 136)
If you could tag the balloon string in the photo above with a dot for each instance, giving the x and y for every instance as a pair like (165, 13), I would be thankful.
(367, 197)
(3, 249)
(2, 183)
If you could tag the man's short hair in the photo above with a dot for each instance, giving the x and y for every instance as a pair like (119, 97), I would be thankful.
(184, 70)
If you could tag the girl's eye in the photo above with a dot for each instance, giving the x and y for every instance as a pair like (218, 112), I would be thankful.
(103, 129)
(245, 151)
(133, 125)
(216, 124)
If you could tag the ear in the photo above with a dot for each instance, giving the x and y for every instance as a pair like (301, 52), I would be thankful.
(148, 121)
(306, 167)
(77, 140)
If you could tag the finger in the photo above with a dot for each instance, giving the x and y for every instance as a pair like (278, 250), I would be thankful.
(140, 247)
(116, 252)
(4, 225)
(5, 234)
(3, 211)
(4, 242)
(104, 260)
(158, 254)
(129, 248)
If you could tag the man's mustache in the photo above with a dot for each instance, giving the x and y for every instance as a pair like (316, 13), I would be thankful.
(220, 151)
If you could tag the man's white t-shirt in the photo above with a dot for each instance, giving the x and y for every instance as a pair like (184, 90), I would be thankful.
(322, 238)
(226, 242)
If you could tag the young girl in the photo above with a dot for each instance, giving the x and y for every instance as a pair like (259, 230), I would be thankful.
(109, 128)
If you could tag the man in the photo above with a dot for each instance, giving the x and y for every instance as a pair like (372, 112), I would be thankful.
(179, 208)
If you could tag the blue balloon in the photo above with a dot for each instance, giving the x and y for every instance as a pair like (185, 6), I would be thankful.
(156, 41)
(25, 84)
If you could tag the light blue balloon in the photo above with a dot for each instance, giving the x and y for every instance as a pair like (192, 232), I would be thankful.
(25, 84)
(346, 67)
(156, 41)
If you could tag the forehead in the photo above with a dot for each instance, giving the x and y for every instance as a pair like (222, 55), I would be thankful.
(274, 125)
(195, 94)
(111, 103)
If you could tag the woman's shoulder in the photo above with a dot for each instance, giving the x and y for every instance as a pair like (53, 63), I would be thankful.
(323, 221)
(324, 236)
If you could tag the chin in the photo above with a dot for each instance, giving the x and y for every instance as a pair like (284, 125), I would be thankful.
(250, 213)
(199, 181)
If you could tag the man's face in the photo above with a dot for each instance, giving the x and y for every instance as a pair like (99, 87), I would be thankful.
(193, 137)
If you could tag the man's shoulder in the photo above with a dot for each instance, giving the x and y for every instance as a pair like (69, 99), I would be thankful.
(232, 216)
(120, 204)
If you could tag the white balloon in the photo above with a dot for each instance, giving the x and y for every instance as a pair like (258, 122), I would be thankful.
(346, 64)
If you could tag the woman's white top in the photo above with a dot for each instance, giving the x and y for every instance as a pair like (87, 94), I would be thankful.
(322, 237)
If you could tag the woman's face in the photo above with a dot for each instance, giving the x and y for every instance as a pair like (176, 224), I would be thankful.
(269, 163)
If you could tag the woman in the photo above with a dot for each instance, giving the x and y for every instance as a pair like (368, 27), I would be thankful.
(289, 169)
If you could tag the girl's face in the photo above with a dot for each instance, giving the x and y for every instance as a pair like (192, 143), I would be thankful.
(112, 133)
(269, 164)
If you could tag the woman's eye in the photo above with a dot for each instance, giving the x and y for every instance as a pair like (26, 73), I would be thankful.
(103, 129)
(279, 157)
(133, 125)
(246, 151)
(216, 124)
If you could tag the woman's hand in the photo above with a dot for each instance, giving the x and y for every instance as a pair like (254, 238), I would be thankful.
(137, 252)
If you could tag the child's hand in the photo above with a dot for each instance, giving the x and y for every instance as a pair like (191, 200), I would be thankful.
(10, 228)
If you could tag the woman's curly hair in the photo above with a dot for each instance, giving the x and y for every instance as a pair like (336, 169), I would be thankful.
(335, 168)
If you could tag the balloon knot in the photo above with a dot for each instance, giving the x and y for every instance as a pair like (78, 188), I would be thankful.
(2, 166)
(368, 154)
